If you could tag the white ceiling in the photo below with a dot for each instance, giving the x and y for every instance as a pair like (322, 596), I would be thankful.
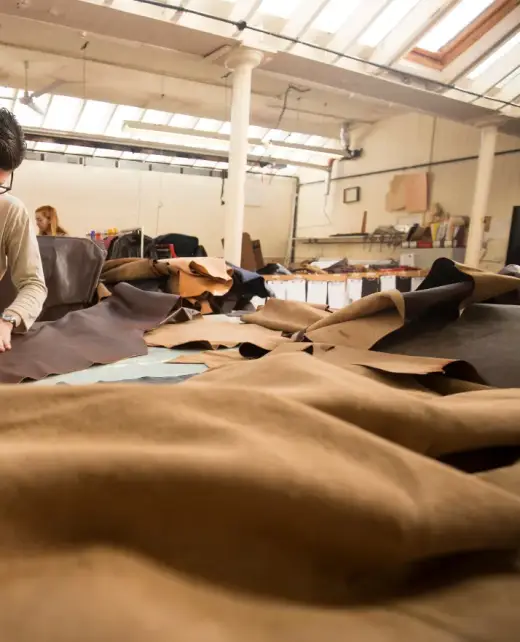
(144, 57)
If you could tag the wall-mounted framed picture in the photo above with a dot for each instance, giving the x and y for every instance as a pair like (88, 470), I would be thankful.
(352, 194)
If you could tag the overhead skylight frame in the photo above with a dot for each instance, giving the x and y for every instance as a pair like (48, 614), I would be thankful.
(465, 38)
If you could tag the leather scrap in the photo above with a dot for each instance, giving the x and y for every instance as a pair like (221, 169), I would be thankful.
(485, 336)
(107, 332)
(210, 358)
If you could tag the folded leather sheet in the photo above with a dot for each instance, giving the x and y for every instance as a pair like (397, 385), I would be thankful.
(286, 316)
(213, 334)
(485, 335)
(187, 277)
(107, 332)
(343, 356)
(448, 289)
(279, 500)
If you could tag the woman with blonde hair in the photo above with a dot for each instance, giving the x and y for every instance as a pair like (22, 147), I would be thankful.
(48, 222)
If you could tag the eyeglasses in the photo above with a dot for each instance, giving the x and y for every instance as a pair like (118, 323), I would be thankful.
(7, 188)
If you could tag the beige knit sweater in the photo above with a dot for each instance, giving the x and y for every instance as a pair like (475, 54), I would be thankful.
(19, 249)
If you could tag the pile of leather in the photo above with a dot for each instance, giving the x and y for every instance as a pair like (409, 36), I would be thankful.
(324, 490)
(204, 283)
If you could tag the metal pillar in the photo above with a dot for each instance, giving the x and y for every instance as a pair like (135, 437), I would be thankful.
(486, 159)
(242, 61)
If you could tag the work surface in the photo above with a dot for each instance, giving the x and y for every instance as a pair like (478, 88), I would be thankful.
(151, 365)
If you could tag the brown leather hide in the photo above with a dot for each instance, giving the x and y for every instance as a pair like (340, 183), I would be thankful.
(72, 267)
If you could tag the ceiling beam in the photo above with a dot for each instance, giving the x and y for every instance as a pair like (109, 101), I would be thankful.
(133, 126)
(109, 142)
(142, 147)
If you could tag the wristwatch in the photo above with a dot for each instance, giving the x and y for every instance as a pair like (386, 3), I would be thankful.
(9, 318)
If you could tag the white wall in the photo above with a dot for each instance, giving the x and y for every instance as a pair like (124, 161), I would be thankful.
(88, 198)
(399, 142)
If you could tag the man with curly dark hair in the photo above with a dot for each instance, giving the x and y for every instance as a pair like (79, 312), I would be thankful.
(18, 244)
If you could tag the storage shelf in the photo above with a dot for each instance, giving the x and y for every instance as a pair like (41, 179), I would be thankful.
(366, 240)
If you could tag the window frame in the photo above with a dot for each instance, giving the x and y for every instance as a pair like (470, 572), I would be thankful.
(439, 60)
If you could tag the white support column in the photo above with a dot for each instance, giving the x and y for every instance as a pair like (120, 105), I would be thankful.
(486, 159)
(242, 61)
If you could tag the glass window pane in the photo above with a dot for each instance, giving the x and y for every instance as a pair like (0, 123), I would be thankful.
(335, 15)
(453, 23)
(63, 113)
(94, 117)
(387, 20)
(155, 117)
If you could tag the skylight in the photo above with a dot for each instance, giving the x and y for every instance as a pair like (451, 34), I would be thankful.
(63, 113)
(181, 120)
(509, 78)
(495, 56)
(386, 21)
(29, 117)
(155, 117)
(335, 14)
(280, 8)
(208, 125)
(453, 23)
(95, 117)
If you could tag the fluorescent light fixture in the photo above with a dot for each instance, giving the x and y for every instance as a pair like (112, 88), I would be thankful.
(335, 15)
(453, 23)
(63, 113)
(495, 56)
(279, 8)
(122, 114)
(387, 20)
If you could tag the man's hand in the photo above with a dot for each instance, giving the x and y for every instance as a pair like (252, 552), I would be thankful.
(6, 329)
